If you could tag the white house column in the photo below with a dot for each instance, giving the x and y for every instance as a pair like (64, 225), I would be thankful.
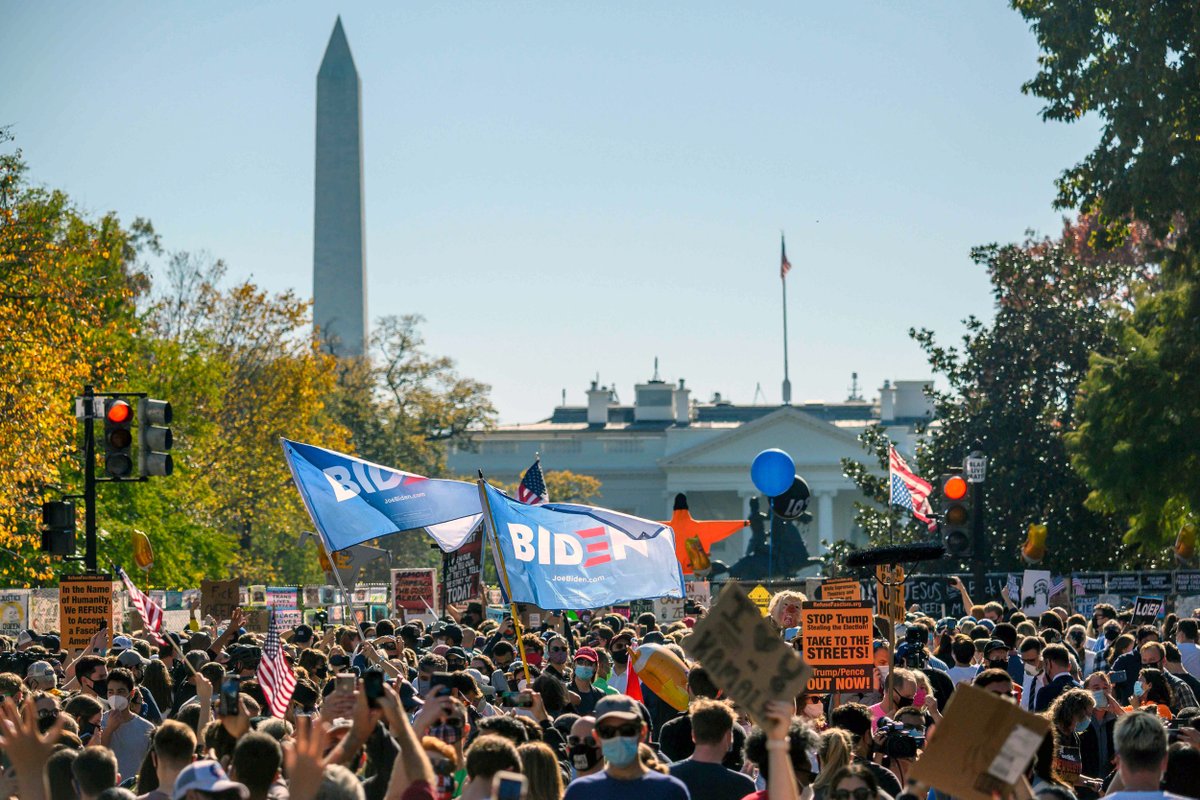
(824, 519)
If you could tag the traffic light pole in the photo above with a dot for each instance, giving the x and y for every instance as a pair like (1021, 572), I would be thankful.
(980, 561)
(89, 483)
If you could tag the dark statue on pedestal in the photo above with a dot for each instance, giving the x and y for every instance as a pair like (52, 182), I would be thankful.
(788, 557)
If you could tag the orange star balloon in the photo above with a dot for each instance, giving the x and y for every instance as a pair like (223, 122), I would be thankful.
(700, 534)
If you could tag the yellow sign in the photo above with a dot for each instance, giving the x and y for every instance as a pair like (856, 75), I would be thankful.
(841, 589)
(761, 597)
(889, 592)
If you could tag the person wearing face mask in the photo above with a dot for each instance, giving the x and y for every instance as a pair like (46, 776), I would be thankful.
(963, 651)
(583, 750)
(702, 772)
(91, 673)
(121, 730)
(900, 694)
(786, 755)
(1056, 666)
(1096, 740)
(557, 655)
(584, 676)
(619, 729)
(620, 654)
(1071, 715)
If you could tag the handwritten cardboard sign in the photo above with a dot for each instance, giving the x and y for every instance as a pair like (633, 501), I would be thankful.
(841, 589)
(414, 590)
(219, 598)
(983, 745)
(85, 604)
(837, 645)
(889, 592)
(744, 654)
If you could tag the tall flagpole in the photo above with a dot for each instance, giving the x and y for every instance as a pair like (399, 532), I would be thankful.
(489, 526)
(787, 384)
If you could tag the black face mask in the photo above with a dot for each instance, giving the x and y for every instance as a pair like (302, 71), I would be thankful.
(621, 656)
(584, 756)
(100, 687)
(998, 663)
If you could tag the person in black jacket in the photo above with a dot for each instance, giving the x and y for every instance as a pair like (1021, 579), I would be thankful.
(1056, 664)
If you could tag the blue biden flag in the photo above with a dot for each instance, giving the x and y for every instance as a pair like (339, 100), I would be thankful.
(352, 501)
(563, 556)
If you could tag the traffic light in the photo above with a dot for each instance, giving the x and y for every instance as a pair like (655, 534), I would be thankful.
(58, 528)
(954, 495)
(118, 438)
(154, 438)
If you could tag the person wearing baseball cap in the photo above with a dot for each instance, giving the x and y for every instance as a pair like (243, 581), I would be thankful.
(587, 662)
(206, 780)
(619, 730)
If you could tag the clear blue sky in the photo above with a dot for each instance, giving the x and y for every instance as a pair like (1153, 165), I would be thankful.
(565, 189)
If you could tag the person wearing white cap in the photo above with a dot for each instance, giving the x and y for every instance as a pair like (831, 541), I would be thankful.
(206, 780)
(41, 677)
(24, 641)
(619, 730)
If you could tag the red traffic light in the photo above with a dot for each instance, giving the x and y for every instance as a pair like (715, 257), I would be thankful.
(118, 412)
(955, 488)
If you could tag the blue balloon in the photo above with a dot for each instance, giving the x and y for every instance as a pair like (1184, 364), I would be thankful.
(773, 472)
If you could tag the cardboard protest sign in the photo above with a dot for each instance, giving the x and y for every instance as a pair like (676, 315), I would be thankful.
(414, 590)
(219, 598)
(258, 619)
(761, 597)
(699, 592)
(744, 654)
(837, 645)
(889, 592)
(669, 609)
(85, 604)
(43, 609)
(841, 589)
(14, 611)
(1147, 609)
(983, 745)
(462, 571)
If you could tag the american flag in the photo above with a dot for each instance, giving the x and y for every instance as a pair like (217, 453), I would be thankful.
(1059, 584)
(908, 490)
(275, 676)
(784, 265)
(532, 490)
(151, 614)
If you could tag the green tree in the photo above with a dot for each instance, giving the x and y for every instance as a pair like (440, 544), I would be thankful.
(67, 314)
(1135, 66)
(1012, 387)
(1137, 414)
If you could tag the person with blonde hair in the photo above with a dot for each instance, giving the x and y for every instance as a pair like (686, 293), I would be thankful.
(835, 752)
(540, 766)
(784, 608)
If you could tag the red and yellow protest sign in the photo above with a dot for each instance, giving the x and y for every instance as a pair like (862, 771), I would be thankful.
(837, 645)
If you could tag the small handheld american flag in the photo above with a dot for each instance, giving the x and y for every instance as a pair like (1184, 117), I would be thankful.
(532, 490)
(275, 675)
(151, 613)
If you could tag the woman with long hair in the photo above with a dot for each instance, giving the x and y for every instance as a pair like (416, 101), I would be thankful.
(853, 782)
(540, 767)
(1120, 646)
(156, 679)
(1151, 692)
(836, 751)
(1071, 715)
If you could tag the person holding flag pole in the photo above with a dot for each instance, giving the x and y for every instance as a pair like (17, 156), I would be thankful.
(502, 571)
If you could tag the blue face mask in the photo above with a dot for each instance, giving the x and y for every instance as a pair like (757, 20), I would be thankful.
(585, 673)
(1138, 688)
(620, 751)
(1082, 725)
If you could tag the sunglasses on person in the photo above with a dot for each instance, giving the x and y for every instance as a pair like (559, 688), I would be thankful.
(815, 700)
(577, 741)
(861, 793)
(629, 729)
(48, 713)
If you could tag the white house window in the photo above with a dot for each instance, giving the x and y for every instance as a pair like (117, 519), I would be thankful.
(623, 445)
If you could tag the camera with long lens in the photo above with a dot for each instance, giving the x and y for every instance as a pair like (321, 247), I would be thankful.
(899, 740)
(18, 663)
(912, 655)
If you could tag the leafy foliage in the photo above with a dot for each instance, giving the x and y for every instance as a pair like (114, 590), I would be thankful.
(1136, 440)
(1012, 388)
(1135, 65)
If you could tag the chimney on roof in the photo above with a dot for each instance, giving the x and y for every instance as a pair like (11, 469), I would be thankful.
(683, 405)
(599, 398)
(887, 403)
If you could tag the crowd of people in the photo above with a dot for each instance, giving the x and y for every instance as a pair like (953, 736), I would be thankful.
(479, 708)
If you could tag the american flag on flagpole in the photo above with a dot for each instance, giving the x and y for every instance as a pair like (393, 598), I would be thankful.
(151, 613)
(532, 490)
(785, 266)
(275, 676)
(908, 490)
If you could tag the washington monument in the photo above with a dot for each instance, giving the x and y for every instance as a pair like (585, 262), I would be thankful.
(339, 266)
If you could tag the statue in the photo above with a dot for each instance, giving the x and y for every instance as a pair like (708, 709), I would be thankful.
(788, 557)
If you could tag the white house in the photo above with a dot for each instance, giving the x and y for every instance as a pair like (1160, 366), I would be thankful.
(666, 443)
